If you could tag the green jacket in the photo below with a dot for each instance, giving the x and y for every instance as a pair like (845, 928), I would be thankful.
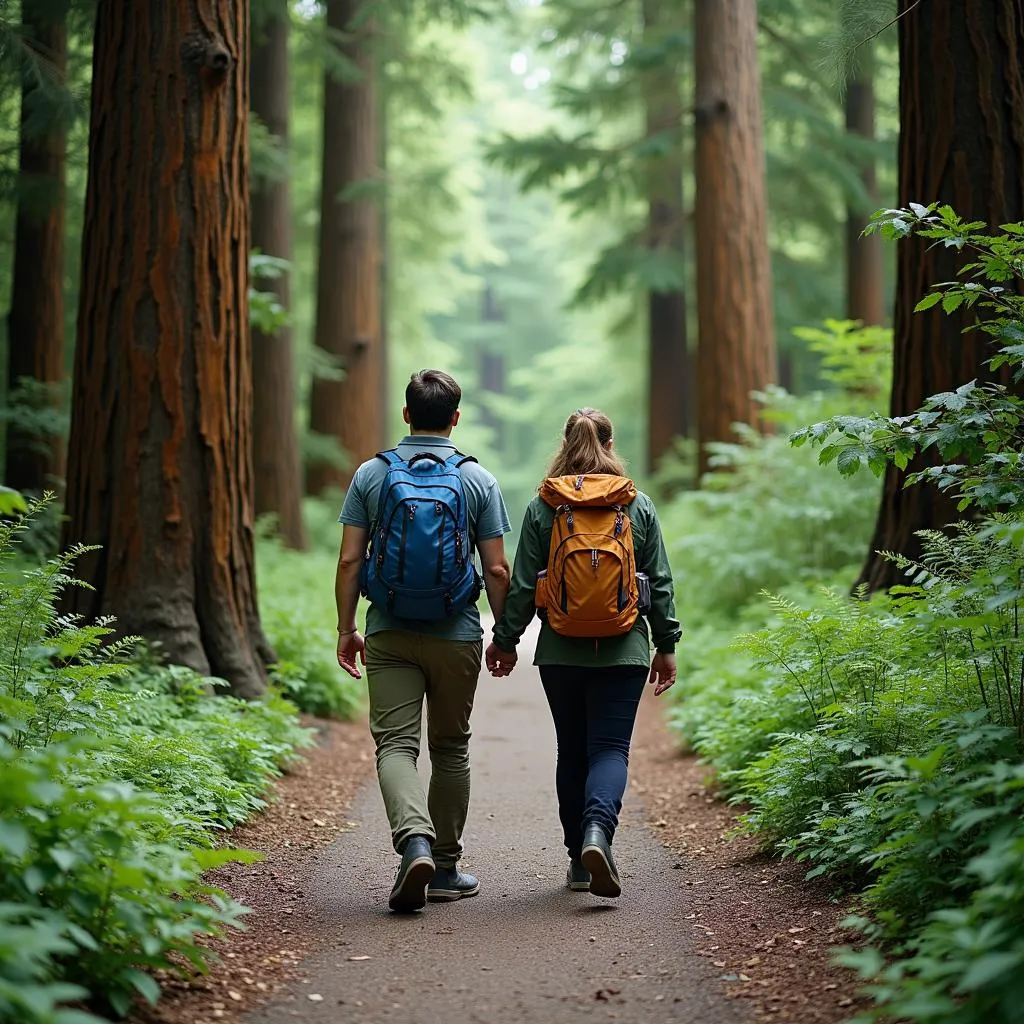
(634, 648)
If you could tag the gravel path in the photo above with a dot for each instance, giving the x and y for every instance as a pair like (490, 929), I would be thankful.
(526, 949)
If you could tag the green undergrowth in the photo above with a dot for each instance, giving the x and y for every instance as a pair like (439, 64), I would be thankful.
(296, 594)
(117, 779)
(880, 742)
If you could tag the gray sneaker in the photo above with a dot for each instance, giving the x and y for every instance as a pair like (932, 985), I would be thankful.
(450, 884)
(578, 876)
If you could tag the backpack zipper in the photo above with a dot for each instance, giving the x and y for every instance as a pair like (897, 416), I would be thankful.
(439, 509)
(406, 519)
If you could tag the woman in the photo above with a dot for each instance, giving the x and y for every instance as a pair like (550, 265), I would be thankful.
(593, 664)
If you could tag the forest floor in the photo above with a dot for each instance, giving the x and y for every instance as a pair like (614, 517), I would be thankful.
(708, 931)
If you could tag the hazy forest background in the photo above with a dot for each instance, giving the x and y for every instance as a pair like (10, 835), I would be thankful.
(230, 229)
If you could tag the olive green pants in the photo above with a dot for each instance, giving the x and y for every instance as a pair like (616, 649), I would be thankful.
(402, 668)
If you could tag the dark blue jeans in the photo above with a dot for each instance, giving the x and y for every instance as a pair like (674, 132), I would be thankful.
(594, 710)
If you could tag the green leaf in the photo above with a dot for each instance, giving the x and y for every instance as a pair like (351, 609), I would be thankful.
(952, 301)
(144, 984)
(932, 299)
(14, 839)
(208, 859)
(11, 501)
(987, 968)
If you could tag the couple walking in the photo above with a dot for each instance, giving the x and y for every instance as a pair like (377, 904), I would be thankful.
(590, 561)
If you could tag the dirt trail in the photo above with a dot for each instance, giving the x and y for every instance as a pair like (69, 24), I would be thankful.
(525, 950)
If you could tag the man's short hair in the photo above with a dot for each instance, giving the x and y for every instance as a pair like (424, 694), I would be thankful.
(432, 398)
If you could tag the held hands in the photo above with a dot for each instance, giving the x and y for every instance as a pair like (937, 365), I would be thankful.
(500, 663)
(351, 645)
(663, 673)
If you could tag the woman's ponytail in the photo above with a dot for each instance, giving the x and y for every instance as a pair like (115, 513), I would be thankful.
(586, 446)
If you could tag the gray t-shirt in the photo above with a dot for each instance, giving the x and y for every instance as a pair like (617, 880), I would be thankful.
(487, 519)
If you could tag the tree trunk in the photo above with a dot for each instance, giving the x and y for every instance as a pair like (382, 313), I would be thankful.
(865, 274)
(348, 310)
(35, 323)
(160, 459)
(667, 358)
(736, 344)
(962, 143)
(276, 464)
(491, 368)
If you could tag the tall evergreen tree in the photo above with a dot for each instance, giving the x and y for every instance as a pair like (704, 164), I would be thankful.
(348, 310)
(961, 143)
(276, 464)
(160, 458)
(865, 271)
(35, 325)
(736, 348)
(668, 364)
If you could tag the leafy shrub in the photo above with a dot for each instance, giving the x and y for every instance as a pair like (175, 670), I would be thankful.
(114, 773)
(103, 859)
(881, 741)
(766, 517)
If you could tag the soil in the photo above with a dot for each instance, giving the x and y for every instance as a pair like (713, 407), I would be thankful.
(307, 811)
(760, 922)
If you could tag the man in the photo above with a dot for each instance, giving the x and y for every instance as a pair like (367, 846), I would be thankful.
(407, 659)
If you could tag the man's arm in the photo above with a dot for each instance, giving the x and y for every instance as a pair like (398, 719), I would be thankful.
(346, 594)
(346, 583)
(496, 573)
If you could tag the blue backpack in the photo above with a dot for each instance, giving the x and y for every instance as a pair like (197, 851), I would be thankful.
(419, 561)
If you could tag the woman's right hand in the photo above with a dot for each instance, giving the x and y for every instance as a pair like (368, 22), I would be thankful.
(663, 673)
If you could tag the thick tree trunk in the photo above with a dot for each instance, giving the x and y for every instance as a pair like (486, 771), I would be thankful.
(962, 143)
(865, 275)
(35, 324)
(736, 343)
(276, 463)
(669, 385)
(160, 459)
(348, 314)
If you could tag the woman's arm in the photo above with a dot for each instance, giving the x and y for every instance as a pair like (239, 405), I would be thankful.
(653, 560)
(519, 606)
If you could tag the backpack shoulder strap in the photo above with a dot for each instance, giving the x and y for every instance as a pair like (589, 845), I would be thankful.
(390, 457)
(458, 459)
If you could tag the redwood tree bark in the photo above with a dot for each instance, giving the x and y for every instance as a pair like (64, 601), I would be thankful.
(160, 458)
(736, 344)
(865, 277)
(962, 143)
(669, 384)
(35, 323)
(348, 313)
(276, 463)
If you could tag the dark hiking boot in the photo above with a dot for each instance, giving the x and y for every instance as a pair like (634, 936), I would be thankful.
(597, 859)
(410, 891)
(450, 884)
(578, 876)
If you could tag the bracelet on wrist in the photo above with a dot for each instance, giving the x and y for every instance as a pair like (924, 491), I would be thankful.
(347, 632)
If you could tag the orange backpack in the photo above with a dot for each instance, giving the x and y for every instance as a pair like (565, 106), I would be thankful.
(589, 588)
